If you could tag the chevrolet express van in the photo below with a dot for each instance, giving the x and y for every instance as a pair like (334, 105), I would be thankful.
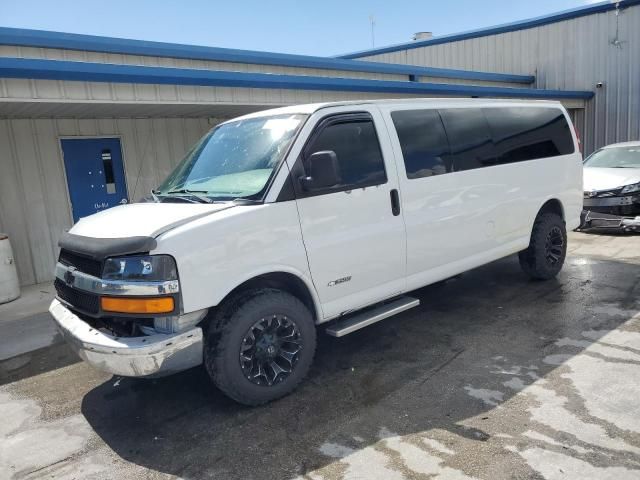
(287, 220)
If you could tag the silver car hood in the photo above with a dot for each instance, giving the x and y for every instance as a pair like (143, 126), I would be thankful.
(596, 178)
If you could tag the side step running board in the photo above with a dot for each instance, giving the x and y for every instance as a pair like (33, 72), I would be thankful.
(371, 315)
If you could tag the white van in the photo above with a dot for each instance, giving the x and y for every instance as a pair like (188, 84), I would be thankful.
(283, 220)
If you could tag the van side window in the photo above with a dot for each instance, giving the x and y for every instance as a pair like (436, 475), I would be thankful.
(356, 146)
(469, 138)
(526, 133)
(423, 141)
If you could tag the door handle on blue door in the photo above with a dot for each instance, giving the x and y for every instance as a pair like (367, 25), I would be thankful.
(395, 202)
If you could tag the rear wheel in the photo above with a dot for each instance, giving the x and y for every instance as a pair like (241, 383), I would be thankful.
(261, 346)
(544, 257)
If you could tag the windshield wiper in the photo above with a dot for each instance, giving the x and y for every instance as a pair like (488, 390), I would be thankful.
(192, 194)
(246, 201)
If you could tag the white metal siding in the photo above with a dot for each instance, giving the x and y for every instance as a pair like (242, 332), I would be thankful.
(97, 57)
(571, 55)
(115, 58)
(34, 201)
(72, 91)
(52, 90)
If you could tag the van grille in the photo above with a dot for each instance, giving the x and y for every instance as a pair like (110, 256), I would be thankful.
(82, 263)
(83, 301)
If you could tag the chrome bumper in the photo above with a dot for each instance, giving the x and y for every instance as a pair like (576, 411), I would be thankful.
(153, 355)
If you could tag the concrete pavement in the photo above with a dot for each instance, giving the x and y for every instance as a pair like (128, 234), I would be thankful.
(492, 377)
(25, 322)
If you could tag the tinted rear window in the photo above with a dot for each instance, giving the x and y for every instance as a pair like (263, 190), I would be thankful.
(469, 137)
(434, 142)
(423, 141)
(527, 133)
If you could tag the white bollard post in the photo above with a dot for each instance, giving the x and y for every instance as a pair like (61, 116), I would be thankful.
(9, 285)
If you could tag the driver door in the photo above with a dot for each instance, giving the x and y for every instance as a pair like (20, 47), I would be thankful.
(353, 231)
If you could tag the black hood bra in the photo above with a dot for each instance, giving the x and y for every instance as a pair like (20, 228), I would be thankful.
(101, 248)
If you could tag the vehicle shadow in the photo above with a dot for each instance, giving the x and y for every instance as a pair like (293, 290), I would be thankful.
(36, 362)
(409, 374)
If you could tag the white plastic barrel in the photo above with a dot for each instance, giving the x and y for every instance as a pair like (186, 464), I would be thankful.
(9, 285)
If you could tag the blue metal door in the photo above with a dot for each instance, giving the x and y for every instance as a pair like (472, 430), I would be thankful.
(95, 174)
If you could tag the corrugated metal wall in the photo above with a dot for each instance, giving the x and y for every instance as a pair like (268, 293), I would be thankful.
(66, 91)
(18, 90)
(34, 201)
(573, 55)
(98, 57)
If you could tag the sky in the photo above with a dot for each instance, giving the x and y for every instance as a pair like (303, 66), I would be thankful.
(320, 27)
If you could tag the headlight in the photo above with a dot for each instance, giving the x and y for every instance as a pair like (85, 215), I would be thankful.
(634, 187)
(144, 268)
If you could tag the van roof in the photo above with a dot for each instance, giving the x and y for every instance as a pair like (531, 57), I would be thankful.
(310, 108)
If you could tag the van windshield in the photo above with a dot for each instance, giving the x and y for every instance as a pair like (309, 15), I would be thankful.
(234, 160)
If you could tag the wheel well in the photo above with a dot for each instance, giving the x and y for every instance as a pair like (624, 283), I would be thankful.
(552, 206)
(282, 281)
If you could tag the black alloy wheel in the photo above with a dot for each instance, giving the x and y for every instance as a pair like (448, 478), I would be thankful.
(554, 246)
(260, 345)
(270, 350)
(545, 256)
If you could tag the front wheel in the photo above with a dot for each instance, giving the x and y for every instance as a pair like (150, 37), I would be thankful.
(544, 257)
(262, 346)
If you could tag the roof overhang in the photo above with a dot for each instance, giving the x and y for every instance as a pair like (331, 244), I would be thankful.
(38, 108)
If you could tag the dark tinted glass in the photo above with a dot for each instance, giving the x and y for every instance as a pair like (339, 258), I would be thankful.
(469, 138)
(423, 141)
(356, 146)
(525, 133)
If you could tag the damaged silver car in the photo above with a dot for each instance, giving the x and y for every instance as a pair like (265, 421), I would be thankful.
(612, 188)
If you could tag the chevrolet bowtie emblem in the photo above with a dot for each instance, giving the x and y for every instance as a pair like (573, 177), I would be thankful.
(68, 277)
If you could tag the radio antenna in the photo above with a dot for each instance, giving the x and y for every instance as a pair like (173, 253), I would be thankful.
(372, 21)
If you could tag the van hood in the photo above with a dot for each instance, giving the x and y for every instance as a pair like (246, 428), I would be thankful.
(143, 219)
(596, 178)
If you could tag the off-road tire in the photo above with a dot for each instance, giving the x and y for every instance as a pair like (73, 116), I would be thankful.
(227, 331)
(538, 260)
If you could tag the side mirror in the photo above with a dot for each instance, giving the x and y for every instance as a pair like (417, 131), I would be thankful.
(322, 170)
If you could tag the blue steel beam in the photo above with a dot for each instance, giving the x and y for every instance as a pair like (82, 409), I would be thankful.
(117, 73)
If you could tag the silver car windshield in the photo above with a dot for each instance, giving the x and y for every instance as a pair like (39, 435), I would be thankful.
(234, 160)
(617, 157)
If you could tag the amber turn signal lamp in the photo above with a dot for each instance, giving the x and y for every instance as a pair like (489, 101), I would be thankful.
(137, 305)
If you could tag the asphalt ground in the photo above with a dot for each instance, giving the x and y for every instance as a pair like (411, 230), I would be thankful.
(493, 377)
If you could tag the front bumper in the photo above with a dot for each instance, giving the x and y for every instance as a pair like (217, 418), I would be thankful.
(607, 221)
(148, 356)
(620, 205)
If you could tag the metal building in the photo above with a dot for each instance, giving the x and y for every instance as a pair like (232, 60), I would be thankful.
(89, 122)
(594, 48)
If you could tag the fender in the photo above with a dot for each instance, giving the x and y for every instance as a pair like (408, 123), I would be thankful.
(302, 276)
